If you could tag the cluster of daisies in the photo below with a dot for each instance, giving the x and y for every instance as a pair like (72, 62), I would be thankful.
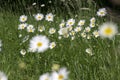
(106, 30)
(61, 74)
(41, 43)
(0, 45)
(30, 28)
(38, 43)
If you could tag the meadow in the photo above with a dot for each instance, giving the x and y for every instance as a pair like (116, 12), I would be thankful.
(86, 56)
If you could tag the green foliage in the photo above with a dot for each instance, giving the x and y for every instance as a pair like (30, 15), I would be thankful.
(55, 6)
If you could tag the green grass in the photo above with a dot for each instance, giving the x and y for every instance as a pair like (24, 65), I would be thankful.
(103, 65)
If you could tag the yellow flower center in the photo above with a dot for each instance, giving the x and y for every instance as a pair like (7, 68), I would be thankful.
(23, 26)
(101, 12)
(30, 30)
(39, 44)
(82, 23)
(49, 17)
(46, 79)
(108, 31)
(60, 77)
(70, 23)
(39, 17)
(23, 19)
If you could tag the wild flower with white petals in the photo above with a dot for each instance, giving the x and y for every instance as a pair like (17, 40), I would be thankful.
(87, 29)
(63, 31)
(23, 18)
(22, 26)
(45, 76)
(78, 29)
(102, 12)
(89, 51)
(41, 28)
(70, 22)
(96, 33)
(92, 25)
(52, 45)
(62, 74)
(108, 30)
(92, 20)
(49, 17)
(39, 16)
(52, 30)
(30, 28)
(23, 52)
(39, 44)
(81, 22)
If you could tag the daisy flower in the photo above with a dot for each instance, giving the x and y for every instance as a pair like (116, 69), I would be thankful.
(102, 12)
(78, 29)
(92, 20)
(52, 30)
(23, 52)
(23, 18)
(70, 22)
(39, 16)
(81, 22)
(22, 26)
(39, 44)
(87, 29)
(41, 28)
(55, 67)
(63, 31)
(62, 74)
(95, 33)
(3, 76)
(49, 17)
(92, 25)
(30, 28)
(108, 30)
(89, 51)
(45, 76)
(52, 45)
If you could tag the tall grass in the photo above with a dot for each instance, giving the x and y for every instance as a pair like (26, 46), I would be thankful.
(103, 65)
(55, 6)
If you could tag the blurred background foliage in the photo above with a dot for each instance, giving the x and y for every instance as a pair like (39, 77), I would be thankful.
(54, 6)
(59, 7)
